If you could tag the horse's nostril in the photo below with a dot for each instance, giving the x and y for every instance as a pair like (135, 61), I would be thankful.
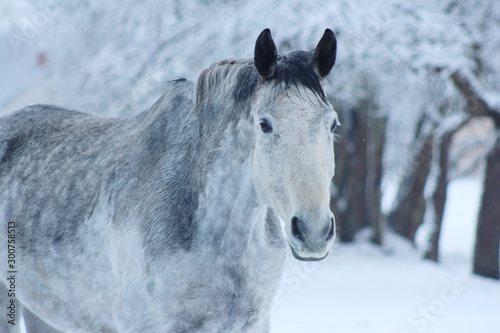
(295, 229)
(332, 230)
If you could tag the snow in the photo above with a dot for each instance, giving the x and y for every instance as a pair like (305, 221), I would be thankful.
(18, 72)
(480, 20)
(37, 93)
(461, 211)
(389, 44)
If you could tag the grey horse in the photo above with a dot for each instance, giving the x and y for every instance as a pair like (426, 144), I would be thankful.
(178, 219)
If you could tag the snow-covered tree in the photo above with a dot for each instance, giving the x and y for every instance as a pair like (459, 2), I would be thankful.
(480, 85)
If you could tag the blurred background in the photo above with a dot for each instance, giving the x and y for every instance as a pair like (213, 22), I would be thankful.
(417, 87)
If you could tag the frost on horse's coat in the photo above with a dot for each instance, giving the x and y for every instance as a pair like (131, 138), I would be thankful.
(169, 221)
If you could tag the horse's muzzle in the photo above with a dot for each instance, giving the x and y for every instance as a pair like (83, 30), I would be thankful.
(311, 242)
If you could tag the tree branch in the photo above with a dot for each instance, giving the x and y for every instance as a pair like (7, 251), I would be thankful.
(477, 106)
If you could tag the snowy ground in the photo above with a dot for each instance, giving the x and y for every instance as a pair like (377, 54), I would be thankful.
(363, 288)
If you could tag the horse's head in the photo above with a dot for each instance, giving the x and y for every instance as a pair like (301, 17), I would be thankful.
(293, 159)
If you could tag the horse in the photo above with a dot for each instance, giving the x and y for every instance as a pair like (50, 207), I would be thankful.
(179, 218)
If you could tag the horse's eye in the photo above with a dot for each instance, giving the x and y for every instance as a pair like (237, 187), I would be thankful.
(334, 126)
(265, 127)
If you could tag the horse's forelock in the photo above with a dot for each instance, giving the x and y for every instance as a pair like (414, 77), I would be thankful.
(295, 70)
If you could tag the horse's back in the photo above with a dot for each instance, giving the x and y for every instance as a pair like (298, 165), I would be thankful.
(49, 125)
(33, 123)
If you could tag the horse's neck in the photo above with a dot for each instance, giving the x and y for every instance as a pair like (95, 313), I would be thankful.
(232, 217)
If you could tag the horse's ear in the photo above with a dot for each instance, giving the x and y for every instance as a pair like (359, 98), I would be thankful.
(266, 55)
(325, 54)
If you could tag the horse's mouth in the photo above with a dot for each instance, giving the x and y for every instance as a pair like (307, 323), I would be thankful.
(306, 258)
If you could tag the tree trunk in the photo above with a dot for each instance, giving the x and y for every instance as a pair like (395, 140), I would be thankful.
(356, 192)
(486, 256)
(349, 203)
(373, 194)
(408, 212)
(438, 198)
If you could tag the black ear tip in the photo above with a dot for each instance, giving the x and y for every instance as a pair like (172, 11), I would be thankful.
(329, 35)
(265, 34)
